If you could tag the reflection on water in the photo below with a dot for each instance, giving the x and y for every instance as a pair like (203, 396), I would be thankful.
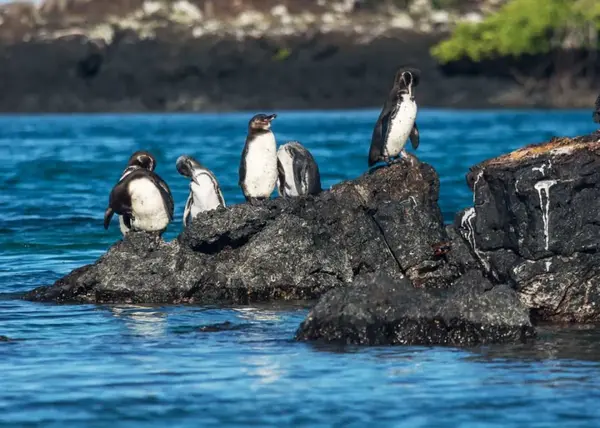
(141, 320)
(553, 343)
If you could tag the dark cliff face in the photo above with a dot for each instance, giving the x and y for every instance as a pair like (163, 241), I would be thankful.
(535, 225)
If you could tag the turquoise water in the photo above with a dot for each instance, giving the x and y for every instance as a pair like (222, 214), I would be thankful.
(189, 366)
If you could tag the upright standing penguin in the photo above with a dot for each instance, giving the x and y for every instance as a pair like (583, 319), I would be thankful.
(141, 198)
(396, 123)
(258, 166)
(597, 111)
(205, 193)
(298, 171)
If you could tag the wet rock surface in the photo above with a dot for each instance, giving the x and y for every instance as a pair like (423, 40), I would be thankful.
(379, 310)
(535, 225)
(377, 254)
(285, 249)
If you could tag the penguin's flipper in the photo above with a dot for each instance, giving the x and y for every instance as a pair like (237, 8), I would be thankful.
(107, 217)
(127, 220)
(378, 137)
(165, 192)
(187, 209)
(242, 170)
(414, 136)
(597, 112)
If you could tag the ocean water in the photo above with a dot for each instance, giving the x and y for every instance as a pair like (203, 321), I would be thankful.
(190, 366)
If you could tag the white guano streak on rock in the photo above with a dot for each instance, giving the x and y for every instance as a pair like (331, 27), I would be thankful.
(466, 223)
(477, 178)
(543, 187)
(542, 168)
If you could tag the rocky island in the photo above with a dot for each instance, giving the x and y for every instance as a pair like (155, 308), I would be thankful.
(376, 254)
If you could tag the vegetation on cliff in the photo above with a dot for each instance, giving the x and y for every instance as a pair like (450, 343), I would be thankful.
(525, 27)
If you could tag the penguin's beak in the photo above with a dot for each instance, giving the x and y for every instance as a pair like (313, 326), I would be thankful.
(271, 117)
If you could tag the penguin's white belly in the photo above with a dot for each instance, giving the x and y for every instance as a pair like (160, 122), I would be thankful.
(147, 206)
(204, 195)
(287, 162)
(400, 127)
(261, 166)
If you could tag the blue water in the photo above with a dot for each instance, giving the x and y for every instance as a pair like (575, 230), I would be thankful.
(190, 366)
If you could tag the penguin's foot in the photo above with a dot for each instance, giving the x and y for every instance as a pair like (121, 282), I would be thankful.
(412, 159)
(255, 201)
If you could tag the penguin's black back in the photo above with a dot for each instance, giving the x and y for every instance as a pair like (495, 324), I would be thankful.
(306, 170)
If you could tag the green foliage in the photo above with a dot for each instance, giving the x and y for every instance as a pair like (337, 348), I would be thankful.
(525, 27)
(282, 54)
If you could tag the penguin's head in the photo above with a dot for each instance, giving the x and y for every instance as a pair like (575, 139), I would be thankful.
(142, 159)
(261, 122)
(188, 166)
(407, 78)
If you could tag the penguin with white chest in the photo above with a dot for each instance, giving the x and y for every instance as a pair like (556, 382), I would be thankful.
(141, 198)
(205, 193)
(397, 121)
(258, 166)
(142, 159)
(298, 172)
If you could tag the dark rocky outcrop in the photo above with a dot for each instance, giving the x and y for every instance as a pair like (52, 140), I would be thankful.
(4, 339)
(375, 250)
(535, 225)
(378, 310)
(285, 249)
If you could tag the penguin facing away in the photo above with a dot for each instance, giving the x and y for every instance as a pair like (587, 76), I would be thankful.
(258, 166)
(396, 123)
(298, 172)
(597, 111)
(205, 193)
(142, 159)
(141, 198)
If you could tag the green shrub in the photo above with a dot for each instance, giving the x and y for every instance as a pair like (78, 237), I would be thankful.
(525, 27)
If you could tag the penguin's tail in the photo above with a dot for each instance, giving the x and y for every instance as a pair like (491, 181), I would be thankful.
(108, 216)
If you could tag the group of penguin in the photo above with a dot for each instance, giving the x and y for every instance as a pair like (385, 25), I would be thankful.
(143, 201)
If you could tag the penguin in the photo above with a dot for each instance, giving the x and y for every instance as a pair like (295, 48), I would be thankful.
(140, 197)
(597, 111)
(142, 159)
(258, 166)
(396, 123)
(298, 173)
(205, 193)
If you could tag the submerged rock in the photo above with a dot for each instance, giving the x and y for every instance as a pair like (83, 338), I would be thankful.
(535, 225)
(285, 249)
(378, 310)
